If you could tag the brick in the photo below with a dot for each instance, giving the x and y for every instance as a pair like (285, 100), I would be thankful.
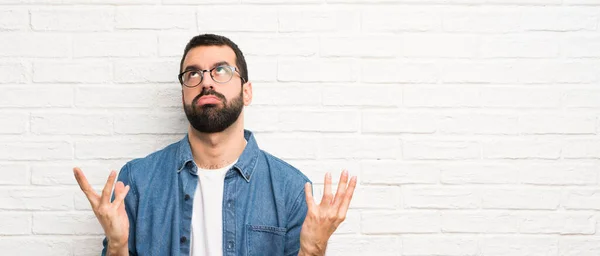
(280, 45)
(451, 150)
(419, 197)
(280, 1)
(581, 149)
(581, 46)
(155, 17)
(557, 223)
(519, 245)
(237, 18)
(263, 69)
(14, 19)
(423, 245)
(15, 223)
(286, 94)
(351, 224)
(528, 46)
(398, 20)
(259, 119)
(319, 121)
(559, 19)
(400, 222)
(52, 174)
(28, 45)
(544, 71)
(73, 19)
(53, 246)
(479, 20)
(479, 173)
(521, 198)
(479, 222)
(66, 224)
(173, 44)
(575, 246)
(399, 122)
(106, 96)
(386, 46)
(193, 2)
(14, 174)
(46, 95)
(438, 45)
(289, 147)
(14, 123)
(115, 45)
(36, 150)
(36, 199)
(364, 147)
(557, 124)
(87, 246)
(582, 98)
(361, 245)
(322, 70)
(151, 123)
(15, 72)
(319, 19)
(397, 173)
(522, 149)
(154, 71)
(71, 123)
(315, 170)
(560, 174)
(475, 123)
(72, 71)
(526, 2)
(370, 197)
(441, 96)
(167, 96)
(475, 71)
(115, 147)
(386, 71)
(581, 199)
(581, 2)
(514, 97)
(362, 95)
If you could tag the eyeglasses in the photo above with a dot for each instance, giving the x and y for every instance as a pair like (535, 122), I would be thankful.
(220, 74)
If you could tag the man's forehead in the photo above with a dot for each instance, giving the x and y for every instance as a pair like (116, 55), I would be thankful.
(206, 56)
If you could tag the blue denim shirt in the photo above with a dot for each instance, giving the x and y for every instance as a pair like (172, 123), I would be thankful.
(263, 203)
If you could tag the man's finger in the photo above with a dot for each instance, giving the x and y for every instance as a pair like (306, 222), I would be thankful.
(339, 194)
(348, 197)
(84, 185)
(120, 193)
(310, 201)
(108, 187)
(327, 196)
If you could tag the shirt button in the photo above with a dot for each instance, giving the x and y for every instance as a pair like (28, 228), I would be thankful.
(229, 245)
(183, 239)
(186, 197)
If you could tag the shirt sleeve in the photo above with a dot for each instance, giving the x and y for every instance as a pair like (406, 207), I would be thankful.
(131, 204)
(295, 221)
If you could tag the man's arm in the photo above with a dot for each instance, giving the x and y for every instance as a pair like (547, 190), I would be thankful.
(323, 219)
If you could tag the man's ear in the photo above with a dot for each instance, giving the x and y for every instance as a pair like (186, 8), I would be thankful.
(247, 93)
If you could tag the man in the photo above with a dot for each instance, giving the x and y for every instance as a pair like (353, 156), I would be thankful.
(215, 192)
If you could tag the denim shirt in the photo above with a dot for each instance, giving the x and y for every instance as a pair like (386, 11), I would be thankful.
(263, 203)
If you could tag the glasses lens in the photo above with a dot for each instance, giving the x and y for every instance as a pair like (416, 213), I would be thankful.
(222, 74)
(192, 78)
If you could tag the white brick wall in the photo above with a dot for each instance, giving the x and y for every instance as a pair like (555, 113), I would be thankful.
(473, 125)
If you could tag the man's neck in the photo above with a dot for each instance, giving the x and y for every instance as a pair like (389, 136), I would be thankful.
(217, 150)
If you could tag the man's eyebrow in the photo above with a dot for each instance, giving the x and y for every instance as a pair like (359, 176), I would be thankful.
(196, 67)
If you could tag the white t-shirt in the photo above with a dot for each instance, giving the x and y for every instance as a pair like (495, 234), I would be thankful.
(207, 214)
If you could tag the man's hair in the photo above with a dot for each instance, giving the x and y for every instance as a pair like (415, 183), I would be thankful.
(217, 40)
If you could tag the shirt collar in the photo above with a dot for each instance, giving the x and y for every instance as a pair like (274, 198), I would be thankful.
(245, 164)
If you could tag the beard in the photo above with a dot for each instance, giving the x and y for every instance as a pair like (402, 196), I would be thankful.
(211, 118)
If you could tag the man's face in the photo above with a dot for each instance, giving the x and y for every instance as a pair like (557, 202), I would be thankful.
(212, 107)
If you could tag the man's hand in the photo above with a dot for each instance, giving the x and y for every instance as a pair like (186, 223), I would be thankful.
(112, 216)
(323, 219)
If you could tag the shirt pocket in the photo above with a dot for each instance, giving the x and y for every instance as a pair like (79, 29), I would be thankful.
(265, 240)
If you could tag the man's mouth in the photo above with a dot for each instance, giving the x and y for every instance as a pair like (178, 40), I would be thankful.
(208, 100)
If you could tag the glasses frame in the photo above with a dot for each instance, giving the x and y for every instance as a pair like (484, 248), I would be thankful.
(201, 71)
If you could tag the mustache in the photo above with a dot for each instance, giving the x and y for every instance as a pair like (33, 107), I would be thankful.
(205, 92)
